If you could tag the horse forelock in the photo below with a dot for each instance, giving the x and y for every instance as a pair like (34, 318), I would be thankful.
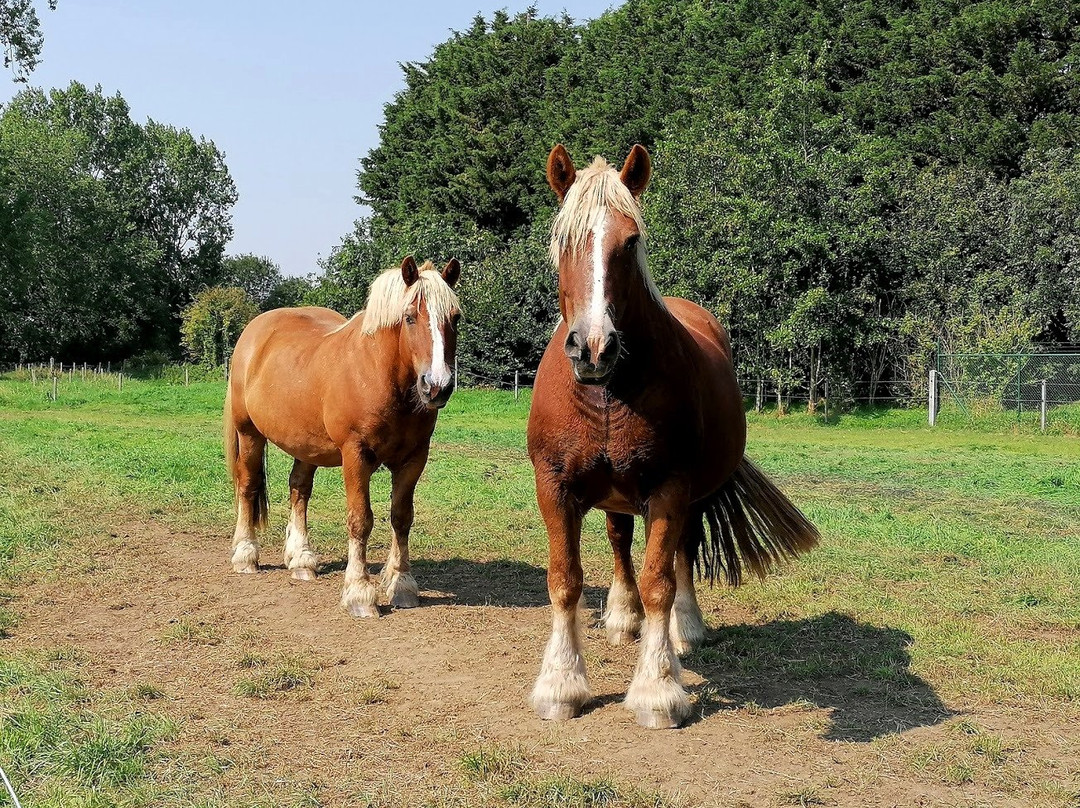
(596, 192)
(390, 297)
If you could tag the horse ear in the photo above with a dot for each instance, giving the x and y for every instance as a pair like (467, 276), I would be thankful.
(636, 170)
(560, 171)
(451, 272)
(409, 272)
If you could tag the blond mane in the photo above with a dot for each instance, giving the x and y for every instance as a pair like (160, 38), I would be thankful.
(390, 297)
(596, 190)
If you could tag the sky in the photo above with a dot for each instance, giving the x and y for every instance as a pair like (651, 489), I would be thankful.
(292, 93)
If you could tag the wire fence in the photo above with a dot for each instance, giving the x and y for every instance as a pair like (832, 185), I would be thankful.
(1035, 385)
(1041, 385)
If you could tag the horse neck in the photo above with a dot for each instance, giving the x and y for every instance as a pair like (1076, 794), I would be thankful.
(646, 328)
(381, 351)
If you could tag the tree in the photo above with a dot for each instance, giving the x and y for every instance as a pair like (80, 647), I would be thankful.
(257, 275)
(843, 183)
(213, 323)
(112, 226)
(20, 35)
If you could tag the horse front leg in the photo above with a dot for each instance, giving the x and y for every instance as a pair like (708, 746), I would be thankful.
(562, 688)
(656, 696)
(622, 619)
(397, 577)
(360, 595)
(298, 556)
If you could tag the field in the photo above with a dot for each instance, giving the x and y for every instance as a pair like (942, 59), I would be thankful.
(928, 653)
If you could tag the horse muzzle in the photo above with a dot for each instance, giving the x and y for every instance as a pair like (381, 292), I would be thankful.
(592, 359)
(434, 396)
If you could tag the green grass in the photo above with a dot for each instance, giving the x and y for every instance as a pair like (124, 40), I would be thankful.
(949, 570)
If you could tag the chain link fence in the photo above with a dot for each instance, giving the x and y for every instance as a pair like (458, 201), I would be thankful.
(1036, 386)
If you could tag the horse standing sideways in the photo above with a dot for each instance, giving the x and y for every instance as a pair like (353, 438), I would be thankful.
(636, 411)
(355, 393)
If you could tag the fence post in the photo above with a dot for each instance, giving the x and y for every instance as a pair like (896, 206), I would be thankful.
(185, 375)
(826, 401)
(1019, 375)
(455, 372)
(515, 385)
(933, 395)
(54, 388)
(1042, 408)
(33, 374)
(120, 381)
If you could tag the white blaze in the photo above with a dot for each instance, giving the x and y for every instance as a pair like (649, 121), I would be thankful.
(440, 373)
(598, 306)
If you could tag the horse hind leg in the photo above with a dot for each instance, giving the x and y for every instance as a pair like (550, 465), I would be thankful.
(624, 613)
(687, 624)
(249, 479)
(656, 696)
(299, 557)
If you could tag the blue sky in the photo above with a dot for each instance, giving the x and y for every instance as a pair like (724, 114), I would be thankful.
(293, 97)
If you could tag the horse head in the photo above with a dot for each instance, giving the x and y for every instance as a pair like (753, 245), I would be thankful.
(428, 337)
(598, 247)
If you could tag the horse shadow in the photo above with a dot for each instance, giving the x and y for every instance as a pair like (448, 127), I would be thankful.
(490, 583)
(463, 582)
(861, 673)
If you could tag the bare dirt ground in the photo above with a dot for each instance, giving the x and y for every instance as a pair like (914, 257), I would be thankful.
(395, 703)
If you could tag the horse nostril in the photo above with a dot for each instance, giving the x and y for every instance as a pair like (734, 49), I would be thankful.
(573, 346)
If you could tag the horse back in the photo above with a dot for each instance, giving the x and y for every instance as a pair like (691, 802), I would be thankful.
(702, 325)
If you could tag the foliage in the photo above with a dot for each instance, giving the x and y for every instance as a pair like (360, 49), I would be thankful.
(845, 184)
(262, 281)
(107, 227)
(213, 322)
(20, 35)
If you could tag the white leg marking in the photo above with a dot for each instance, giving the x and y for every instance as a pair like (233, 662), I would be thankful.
(656, 696)
(562, 688)
(245, 544)
(401, 587)
(687, 624)
(622, 620)
(360, 595)
(299, 557)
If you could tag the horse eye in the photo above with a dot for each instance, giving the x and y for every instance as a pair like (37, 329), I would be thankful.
(631, 243)
(410, 319)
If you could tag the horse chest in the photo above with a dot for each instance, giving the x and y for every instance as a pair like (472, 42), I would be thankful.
(615, 456)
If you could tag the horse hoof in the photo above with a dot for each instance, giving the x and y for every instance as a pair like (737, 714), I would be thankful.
(621, 637)
(303, 574)
(363, 610)
(557, 710)
(245, 569)
(405, 600)
(681, 647)
(654, 719)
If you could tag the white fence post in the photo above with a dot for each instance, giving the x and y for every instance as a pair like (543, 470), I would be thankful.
(515, 385)
(1042, 408)
(933, 393)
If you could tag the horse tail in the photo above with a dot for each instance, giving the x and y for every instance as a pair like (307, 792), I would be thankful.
(231, 440)
(751, 523)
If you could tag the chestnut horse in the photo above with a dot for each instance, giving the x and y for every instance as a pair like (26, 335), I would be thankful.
(636, 411)
(355, 393)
